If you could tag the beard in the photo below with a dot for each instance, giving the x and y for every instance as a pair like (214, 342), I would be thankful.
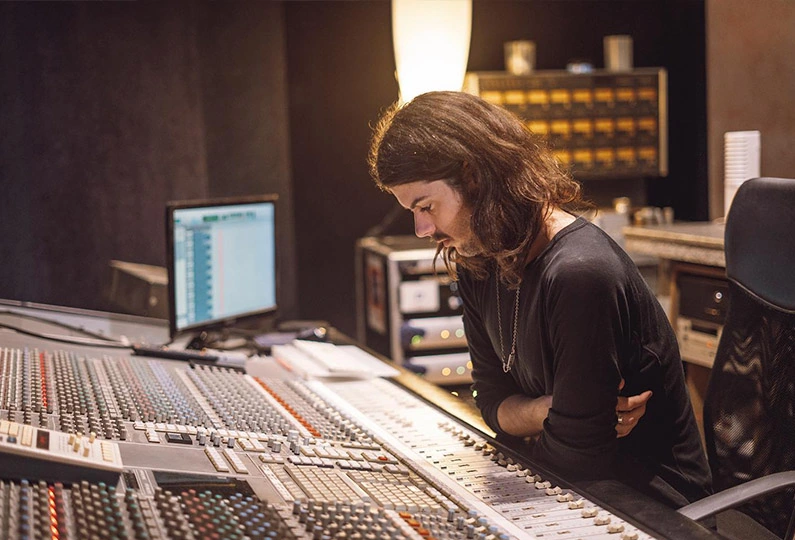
(467, 248)
(463, 242)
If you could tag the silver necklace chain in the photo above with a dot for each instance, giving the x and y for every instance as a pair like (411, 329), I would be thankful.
(507, 363)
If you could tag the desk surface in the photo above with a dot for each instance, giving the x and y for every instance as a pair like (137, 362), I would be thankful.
(693, 242)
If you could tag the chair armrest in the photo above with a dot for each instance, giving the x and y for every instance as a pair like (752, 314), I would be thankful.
(737, 495)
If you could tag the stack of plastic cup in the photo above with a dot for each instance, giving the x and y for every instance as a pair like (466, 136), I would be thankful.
(741, 162)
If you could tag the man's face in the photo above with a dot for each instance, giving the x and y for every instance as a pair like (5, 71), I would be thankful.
(439, 213)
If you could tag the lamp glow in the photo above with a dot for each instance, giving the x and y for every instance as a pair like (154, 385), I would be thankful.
(431, 43)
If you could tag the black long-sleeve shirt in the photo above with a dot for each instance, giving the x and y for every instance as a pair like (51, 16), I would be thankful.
(587, 319)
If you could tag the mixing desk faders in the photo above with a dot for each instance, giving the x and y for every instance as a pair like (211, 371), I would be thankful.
(206, 452)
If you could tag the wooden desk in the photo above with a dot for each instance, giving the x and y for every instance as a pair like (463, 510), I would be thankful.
(685, 249)
(691, 242)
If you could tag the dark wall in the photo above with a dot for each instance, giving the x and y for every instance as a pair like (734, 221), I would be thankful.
(111, 109)
(341, 75)
(340, 65)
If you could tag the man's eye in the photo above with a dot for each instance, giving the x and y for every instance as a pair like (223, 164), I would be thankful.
(425, 208)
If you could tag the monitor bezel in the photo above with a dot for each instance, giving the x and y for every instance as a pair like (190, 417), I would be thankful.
(224, 322)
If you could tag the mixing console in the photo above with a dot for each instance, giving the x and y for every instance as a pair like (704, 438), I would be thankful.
(208, 452)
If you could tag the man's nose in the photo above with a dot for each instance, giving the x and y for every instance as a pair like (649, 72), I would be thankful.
(423, 227)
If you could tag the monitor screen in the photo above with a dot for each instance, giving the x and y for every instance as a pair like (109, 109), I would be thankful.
(221, 261)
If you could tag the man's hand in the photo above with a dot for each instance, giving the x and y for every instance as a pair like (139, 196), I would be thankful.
(630, 410)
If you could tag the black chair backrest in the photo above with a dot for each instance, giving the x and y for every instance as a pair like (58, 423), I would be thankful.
(760, 240)
(749, 410)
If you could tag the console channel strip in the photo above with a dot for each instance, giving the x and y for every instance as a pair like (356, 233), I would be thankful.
(212, 452)
(467, 469)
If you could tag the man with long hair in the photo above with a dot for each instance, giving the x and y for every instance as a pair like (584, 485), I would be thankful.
(558, 319)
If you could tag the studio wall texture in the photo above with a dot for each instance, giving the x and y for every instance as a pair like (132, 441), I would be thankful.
(110, 109)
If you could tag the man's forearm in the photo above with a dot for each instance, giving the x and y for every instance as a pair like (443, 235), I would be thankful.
(523, 416)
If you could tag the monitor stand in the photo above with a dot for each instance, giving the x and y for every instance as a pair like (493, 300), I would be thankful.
(262, 338)
(206, 339)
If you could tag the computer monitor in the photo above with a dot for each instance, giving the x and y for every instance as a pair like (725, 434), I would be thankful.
(221, 261)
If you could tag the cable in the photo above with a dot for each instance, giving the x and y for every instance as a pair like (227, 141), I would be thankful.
(96, 335)
(72, 341)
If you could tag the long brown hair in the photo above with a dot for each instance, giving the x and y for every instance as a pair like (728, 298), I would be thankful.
(507, 176)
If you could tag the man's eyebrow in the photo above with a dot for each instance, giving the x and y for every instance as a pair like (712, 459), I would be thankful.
(416, 201)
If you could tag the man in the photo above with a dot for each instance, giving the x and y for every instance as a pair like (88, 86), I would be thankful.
(557, 316)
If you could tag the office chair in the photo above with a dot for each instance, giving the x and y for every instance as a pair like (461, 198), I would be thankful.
(749, 409)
